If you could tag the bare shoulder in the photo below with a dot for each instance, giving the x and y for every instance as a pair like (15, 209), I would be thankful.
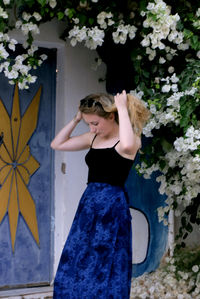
(130, 151)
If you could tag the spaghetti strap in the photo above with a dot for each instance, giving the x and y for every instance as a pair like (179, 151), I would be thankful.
(116, 143)
(93, 140)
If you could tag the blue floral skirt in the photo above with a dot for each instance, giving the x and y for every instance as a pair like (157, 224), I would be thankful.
(96, 262)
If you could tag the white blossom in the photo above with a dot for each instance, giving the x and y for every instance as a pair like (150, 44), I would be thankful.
(3, 53)
(163, 24)
(195, 268)
(162, 60)
(3, 13)
(166, 88)
(52, 3)
(171, 69)
(26, 16)
(12, 44)
(6, 2)
(37, 16)
(122, 32)
(198, 12)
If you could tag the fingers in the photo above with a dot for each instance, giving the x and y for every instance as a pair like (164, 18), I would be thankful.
(122, 93)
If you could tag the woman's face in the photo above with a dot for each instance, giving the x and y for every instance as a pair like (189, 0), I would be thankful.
(99, 125)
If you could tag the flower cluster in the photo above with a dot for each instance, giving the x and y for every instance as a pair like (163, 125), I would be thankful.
(164, 27)
(179, 177)
(92, 37)
(174, 279)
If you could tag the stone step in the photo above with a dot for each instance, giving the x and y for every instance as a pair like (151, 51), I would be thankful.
(28, 293)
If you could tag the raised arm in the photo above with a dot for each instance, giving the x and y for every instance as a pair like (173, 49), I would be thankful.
(129, 141)
(64, 142)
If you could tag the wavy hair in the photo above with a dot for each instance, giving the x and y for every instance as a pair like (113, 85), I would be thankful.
(103, 104)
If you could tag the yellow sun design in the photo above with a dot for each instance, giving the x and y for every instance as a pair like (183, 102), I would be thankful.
(17, 165)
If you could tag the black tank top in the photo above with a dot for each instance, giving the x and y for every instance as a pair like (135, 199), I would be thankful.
(106, 165)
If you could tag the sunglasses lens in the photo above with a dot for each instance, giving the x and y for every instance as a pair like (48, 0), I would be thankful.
(90, 103)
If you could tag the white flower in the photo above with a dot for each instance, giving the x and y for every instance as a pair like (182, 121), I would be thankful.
(37, 16)
(171, 69)
(174, 87)
(174, 78)
(12, 44)
(3, 53)
(26, 16)
(104, 19)
(52, 3)
(95, 38)
(150, 6)
(169, 56)
(66, 12)
(166, 88)
(18, 24)
(162, 60)
(43, 56)
(76, 20)
(30, 27)
(6, 2)
(120, 36)
(183, 46)
(195, 268)
(145, 42)
(198, 12)
(3, 13)
(198, 54)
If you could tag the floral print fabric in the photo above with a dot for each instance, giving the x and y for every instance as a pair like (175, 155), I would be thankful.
(96, 259)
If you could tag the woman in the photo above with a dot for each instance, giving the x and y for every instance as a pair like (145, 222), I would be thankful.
(96, 259)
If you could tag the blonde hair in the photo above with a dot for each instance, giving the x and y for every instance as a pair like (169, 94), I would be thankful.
(103, 104)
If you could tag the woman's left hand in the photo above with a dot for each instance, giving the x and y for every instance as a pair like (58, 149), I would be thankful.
(121, 100)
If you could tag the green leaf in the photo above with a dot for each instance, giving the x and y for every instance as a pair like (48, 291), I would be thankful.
(189, 228)
(60, 15)
(183, 222)
(194, 41)
(91, 21)
(71, 13)
(42, 2)
(2, 26)
(187, 33)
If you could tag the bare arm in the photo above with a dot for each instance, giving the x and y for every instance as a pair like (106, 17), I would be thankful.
(64, 142)
(129, 141)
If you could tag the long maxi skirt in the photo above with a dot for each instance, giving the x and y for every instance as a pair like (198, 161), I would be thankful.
(96, 262)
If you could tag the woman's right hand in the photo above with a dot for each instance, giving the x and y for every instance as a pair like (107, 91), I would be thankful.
(78, 117)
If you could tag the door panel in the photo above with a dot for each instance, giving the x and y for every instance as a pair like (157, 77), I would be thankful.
(26, 177)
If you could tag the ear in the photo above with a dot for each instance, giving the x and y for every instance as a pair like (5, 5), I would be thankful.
(111, 116)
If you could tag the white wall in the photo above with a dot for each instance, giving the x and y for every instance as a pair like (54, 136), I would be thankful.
(76, 79)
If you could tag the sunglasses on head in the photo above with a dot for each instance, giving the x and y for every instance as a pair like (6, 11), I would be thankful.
(89, 103)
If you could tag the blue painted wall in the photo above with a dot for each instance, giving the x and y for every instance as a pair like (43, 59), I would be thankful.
(30, 264)
(144, 196)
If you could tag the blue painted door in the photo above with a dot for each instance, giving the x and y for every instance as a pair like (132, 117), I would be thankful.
(26, 243)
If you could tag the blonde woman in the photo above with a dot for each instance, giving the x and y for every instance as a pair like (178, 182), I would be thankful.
(96, 261)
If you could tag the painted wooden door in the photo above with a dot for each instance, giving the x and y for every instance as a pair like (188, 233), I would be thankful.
(26, 178)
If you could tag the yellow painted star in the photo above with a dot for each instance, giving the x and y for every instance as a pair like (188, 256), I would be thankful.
(17, 165)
